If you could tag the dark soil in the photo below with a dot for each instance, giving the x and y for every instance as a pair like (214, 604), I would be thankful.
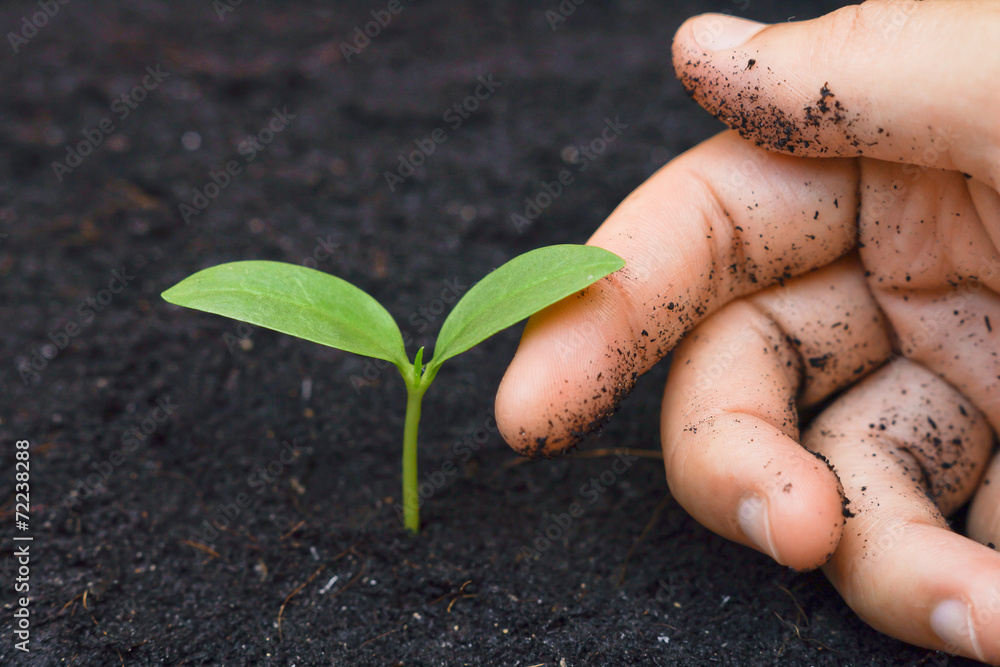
(314, 567)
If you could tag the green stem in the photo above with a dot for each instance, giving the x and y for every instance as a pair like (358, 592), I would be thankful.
(411, 499)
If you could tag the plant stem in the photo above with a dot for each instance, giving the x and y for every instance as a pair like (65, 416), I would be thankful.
(411, 499)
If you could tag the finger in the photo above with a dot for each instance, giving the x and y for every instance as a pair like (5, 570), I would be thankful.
(729, 420)
(984, 514)
(720, 221)
(904, 444)
(895, 80)
(934, 272)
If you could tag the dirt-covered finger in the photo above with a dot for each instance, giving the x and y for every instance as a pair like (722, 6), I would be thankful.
(984, 514)
(909, 449)
(896, 80)
(730, 419)
(722, 221)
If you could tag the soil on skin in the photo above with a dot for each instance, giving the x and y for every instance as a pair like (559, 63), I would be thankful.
(312, 566)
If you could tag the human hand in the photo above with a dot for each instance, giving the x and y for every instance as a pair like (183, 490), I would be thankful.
(900, 306)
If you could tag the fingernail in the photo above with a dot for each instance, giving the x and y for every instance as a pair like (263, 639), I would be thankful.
(718, 31)
(951, 620)
(756, 526)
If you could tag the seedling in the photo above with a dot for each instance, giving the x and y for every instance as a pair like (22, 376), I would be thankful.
(324, 309)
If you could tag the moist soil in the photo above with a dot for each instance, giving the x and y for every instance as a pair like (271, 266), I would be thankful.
(147, 421)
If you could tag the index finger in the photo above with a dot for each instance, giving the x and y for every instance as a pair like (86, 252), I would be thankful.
(723, 220)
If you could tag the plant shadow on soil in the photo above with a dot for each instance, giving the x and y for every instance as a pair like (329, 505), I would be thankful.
(313, 567)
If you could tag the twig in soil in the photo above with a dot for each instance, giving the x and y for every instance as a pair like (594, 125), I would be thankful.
(653, 520)
(595, 453)
(98, 625)
(406, 563)
(807, 639)
(348, 550)
(292, 531)
(293, 593)
(334, 578)
(436, 600)
(715, 619)
(72, 601)
(295, 498)
(243, 533)
(460, 597)
(201, 547)
(798, 607)
(354, 580)
(379, 637)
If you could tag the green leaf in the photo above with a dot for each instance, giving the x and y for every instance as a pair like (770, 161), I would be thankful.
(295, 300)
(521, 287)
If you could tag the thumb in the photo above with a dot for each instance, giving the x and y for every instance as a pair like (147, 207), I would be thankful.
(895, 80)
